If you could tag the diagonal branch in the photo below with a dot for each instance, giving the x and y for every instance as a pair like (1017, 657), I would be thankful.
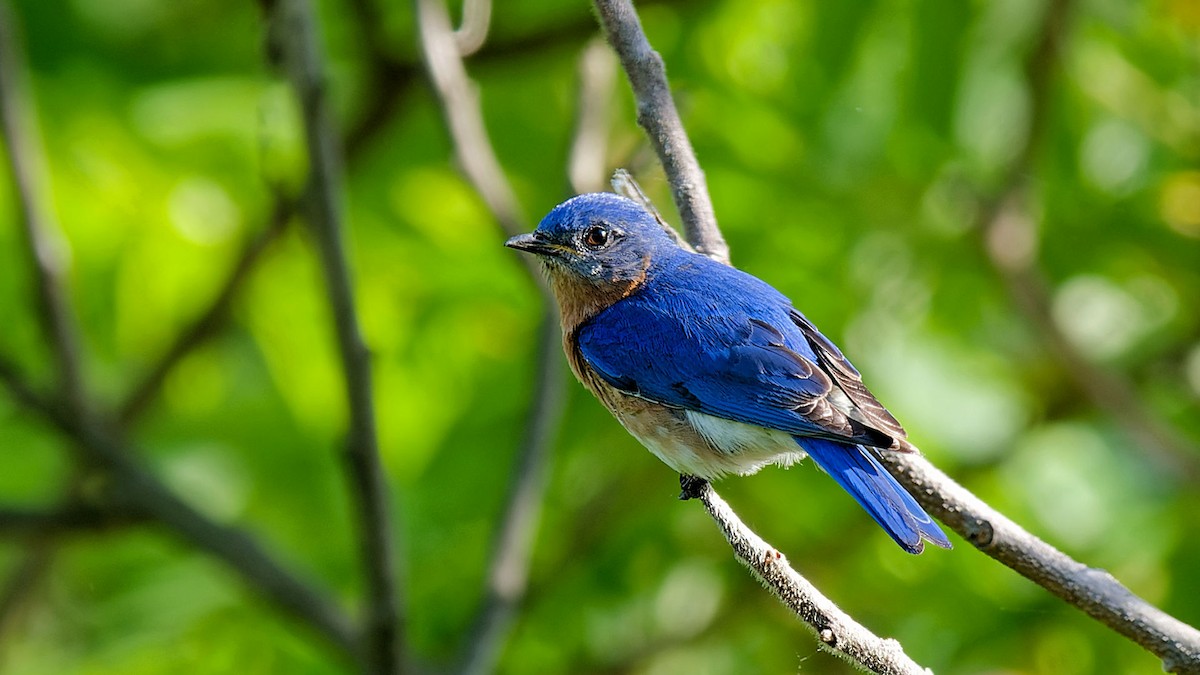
(46, 247)
(294, 34)
(208, 323)
(1093, 590)
(836, 631)
(508, 573)
(658, 116)
(133, 493)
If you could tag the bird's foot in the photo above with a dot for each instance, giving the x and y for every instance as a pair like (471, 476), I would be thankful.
(690, 486)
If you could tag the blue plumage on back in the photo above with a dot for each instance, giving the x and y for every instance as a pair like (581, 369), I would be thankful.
(710, 367)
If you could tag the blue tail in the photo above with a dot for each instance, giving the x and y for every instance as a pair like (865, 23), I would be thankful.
(860, 474)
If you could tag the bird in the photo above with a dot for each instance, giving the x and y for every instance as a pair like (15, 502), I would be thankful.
(709, 367)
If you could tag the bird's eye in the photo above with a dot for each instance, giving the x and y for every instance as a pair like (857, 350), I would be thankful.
(596, 236)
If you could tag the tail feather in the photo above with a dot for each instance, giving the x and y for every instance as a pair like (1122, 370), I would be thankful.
(861, 474)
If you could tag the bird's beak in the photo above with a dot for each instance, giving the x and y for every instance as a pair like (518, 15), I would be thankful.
(531, 244)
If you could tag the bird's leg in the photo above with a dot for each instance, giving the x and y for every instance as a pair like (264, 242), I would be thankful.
(691, 486)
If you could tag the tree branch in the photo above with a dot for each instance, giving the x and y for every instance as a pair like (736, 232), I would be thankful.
(68, 518)
(508, 571)
(47, 248)
(586, 165)
(835, 630)
(130, 488)
(658, 116)
(209, 322)
(294, 33)
(1094, 591)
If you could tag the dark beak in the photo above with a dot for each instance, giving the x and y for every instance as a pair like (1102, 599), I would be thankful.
(531, 244)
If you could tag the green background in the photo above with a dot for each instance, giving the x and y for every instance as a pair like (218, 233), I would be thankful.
(849, 149)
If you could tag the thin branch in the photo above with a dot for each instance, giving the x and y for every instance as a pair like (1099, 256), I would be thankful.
(47, 248)
(587, 164)
(24, 579)
(656, 114)
(392, 78)
(835, 630)
(460, 107)
(473, 31)
(294, 32)
(1095, 591)
(131, 492)
(1008, 236)
(67, 518)
(131, 488)
(512, 551)
(21, 391)
(209, 322)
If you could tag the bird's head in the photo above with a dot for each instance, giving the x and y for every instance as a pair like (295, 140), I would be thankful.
(598, 239)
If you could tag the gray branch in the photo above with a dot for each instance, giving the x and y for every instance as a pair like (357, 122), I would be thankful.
(1095, 591)
(508, 571)
(656, 114)
(835, 630)
(295, 37)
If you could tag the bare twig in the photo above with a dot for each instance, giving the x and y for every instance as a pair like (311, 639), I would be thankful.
(587, 164)
(1009, 238)
(210, 321)
(460, 107)
(20, 390)
(294, 32)
(658, 116)
(21, 583)
(67, 518)
(392, 77)
(835, 630)
(1092, 590)
(473, 31)
(512, 550)
(508, 573)
(46, 246)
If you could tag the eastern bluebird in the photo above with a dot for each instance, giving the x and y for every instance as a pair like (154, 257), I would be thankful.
(710, 368)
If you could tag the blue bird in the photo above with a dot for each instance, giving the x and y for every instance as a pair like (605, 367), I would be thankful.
(710, 368)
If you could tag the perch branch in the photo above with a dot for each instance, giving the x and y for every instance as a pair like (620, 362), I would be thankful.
(512, 550)
(835, 630)
(1095, 591)
(1177, 644)
(658, 116)
(294, 33)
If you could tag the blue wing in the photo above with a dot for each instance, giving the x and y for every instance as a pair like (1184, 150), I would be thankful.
(710, 338)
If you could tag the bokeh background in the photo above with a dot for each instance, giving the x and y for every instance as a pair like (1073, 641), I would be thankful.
(855, 154)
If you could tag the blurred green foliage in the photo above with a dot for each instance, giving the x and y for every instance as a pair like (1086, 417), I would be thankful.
(846, 145)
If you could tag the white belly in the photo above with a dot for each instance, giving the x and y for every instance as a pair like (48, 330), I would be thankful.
(712, 447)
